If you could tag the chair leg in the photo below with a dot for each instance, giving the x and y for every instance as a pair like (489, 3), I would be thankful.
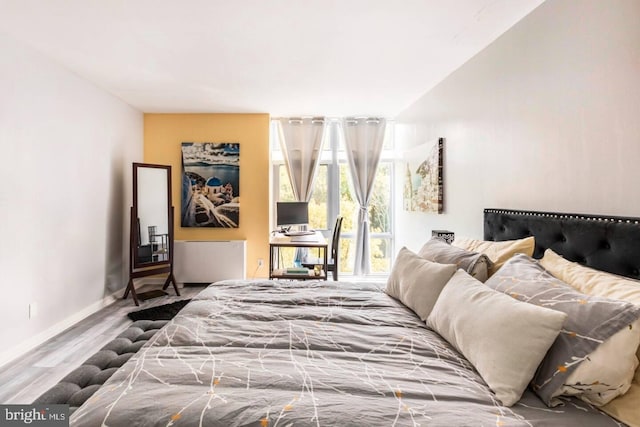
(335, 274)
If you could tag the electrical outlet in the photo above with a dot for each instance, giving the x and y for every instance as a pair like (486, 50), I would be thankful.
(260, 262)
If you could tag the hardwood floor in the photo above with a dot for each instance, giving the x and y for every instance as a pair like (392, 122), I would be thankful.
(24, 379)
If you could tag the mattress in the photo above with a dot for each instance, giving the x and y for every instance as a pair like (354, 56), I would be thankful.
(269, 353)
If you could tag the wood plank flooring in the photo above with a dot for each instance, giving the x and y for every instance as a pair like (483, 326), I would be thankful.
(24, 379)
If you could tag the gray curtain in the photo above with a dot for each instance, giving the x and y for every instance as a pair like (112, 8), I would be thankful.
(363, 139)
(301, 142)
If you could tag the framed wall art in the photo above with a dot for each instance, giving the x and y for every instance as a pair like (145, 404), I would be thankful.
(210, 184)
(424, 186)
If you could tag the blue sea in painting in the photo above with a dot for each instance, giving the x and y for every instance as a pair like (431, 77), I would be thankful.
(225, 173)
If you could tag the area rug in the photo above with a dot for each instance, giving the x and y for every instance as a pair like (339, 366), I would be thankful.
(160, 312)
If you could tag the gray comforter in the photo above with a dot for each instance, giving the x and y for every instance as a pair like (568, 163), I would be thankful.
(266, 353)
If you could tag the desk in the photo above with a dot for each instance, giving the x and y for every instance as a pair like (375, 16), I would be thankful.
(279, 240)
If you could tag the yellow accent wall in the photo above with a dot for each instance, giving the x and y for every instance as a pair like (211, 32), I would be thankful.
(163, 135)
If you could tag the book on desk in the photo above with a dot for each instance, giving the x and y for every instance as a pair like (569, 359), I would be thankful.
(297, 270)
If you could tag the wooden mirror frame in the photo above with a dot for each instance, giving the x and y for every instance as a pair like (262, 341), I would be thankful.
(139, 269)
(137, 263)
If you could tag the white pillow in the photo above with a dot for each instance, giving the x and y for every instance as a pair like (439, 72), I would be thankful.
(590, 281)
(417, 282)
(505, 339)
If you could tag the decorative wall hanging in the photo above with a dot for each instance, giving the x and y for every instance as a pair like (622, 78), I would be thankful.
(423, 187)
(210, 184)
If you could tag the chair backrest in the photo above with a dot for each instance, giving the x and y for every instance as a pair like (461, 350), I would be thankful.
(335, 241)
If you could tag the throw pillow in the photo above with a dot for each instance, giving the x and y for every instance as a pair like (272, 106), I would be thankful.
(498, 252)
(417, 282)
(590, 322)
(503, 338)
(474, 263)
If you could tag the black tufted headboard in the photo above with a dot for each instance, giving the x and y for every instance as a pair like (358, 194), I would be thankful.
(606, 243)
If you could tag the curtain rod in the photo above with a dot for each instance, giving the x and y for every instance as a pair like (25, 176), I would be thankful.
(330, 119)
(301, 119)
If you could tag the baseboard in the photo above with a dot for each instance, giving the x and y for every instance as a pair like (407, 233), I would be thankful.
(54, 330)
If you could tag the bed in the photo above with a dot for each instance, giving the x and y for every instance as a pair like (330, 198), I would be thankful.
(273, 353)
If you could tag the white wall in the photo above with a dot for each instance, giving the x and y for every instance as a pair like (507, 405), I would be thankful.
(65, 191)
(545, 118)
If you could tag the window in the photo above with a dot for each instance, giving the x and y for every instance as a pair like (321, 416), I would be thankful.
(333, 196)
(318, 202)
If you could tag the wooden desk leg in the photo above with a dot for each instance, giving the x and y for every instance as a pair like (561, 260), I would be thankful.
(131, 288)
(326, 262)
(270, 262)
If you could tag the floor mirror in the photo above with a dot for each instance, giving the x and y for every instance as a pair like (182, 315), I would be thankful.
(151, 228)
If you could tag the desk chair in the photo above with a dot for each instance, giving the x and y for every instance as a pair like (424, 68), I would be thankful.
(334, 259)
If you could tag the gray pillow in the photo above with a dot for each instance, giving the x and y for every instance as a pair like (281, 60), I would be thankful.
(417, 282)
(503, 338)
(591, 320)
(474, 263)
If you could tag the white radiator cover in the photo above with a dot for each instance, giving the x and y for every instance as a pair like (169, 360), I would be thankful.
(209, 261)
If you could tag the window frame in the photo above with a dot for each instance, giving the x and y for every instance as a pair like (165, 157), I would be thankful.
(334, 156)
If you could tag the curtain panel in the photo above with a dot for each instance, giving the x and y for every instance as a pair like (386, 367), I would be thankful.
(301, 142)
(363, 138)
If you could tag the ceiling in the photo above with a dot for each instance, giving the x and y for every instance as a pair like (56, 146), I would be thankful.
(283, 57)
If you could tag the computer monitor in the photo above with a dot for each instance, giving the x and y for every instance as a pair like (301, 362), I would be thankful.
(292, 213)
